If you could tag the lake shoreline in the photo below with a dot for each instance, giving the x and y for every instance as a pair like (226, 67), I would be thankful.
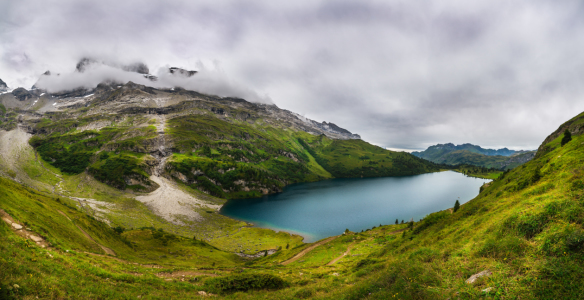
(275, 211)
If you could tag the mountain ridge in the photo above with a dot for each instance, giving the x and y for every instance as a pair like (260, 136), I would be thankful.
(451, 154)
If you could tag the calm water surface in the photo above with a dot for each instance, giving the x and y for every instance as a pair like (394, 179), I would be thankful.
(321, 209)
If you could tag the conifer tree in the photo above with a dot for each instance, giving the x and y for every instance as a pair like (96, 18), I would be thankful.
(456, 205)
(567, 137)
(396, 222)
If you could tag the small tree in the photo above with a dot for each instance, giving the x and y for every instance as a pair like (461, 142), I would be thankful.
(411, 225)
(402, 221)
(536, 176)
(396, 222)
(567, 137)
(287, 246)
(456, 205)
(119, 229)
(347, 231)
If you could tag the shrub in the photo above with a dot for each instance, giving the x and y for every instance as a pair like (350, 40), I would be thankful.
(119, 229)
(244, 282)
(304, 293)
(536, 176)
(567, 137)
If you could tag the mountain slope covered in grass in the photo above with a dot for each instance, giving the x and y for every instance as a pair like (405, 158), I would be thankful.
(224, 147)
(502, 159)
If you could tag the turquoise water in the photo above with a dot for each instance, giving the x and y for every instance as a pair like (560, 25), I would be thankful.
(321, 209)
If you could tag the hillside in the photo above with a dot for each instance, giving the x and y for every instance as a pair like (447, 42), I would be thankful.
(523, 232)
(502, 159)
(224, 147)
(134, 156)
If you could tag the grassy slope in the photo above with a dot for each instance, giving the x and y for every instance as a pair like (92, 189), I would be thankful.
(268, 157)
(529, 234)
(226, 158)
(354, 158)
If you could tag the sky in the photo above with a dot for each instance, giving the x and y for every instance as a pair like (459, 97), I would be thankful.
(402, 74)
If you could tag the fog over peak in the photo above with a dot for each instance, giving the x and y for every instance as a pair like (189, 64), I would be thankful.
(89, 72)
(401, 74)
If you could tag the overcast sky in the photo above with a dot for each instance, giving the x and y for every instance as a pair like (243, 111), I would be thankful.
(402, 74)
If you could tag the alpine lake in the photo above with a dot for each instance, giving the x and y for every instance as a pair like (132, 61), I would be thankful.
(317, 210)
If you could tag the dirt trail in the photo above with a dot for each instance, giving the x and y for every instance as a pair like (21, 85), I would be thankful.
(20, 230)
(305, 251)
(104, 248)
(344, 254)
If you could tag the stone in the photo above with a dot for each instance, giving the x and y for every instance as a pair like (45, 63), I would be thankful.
(16, 226)
(475, 277)
(35, 238)
(202, 293)
(487, 290)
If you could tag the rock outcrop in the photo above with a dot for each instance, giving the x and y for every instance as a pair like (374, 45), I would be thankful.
(22, 94)
(181, 72)
(3, 86)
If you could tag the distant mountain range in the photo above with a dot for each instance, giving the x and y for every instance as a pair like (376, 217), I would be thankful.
(451, 154)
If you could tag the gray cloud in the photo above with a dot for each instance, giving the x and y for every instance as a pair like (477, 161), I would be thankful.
(401, 74)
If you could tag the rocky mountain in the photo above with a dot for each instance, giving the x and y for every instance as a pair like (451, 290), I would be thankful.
(122, 135)
(86, 63)
(451, 154)
(3, 86)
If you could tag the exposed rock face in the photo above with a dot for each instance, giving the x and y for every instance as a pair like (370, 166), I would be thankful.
(83, 64)
(332, 128)
(181, 72)
(138, 67)
(3, 86)
(22, 94)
